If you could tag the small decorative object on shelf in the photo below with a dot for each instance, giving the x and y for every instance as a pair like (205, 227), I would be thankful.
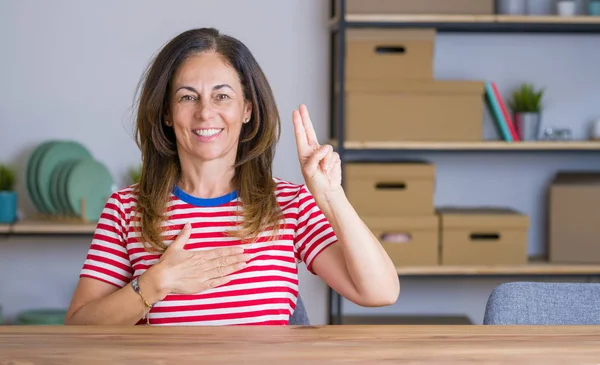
(540, 7)
(512, 7)
(526, 104)
(557, 134)
(8, 196)
(595, 130)
(594, 7)
(566, 7)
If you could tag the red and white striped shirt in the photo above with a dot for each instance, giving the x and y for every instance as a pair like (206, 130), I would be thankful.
(264, 292)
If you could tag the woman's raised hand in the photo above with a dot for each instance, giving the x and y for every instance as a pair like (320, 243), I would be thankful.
(321, 166)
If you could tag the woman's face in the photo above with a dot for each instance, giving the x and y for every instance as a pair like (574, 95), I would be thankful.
(207, 109)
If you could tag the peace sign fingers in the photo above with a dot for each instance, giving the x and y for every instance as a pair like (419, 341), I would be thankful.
(306, 140)
(308, 126)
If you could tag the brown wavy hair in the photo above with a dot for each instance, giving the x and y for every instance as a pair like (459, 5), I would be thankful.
(161, 169)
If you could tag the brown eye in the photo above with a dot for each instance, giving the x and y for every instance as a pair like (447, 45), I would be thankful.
(222, 97)
(187, 98)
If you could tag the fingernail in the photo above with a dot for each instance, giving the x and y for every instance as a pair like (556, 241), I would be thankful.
(187, 225)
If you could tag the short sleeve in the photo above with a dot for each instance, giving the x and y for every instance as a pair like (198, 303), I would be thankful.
(313, 231)
(107, 258)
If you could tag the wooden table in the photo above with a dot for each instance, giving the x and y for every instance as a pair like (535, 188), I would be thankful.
(300, 345)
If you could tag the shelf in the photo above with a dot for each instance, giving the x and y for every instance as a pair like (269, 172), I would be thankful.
(479, 23)
(477, 146)
(48, 227)
(533, 268)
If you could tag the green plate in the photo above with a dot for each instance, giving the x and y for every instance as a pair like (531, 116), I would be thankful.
(42, 317)
(89, 180)
(31, 172)
(55, 154)
(62, 186)
(55, 187)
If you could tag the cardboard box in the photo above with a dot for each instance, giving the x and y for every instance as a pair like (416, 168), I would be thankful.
(423, 111)
(389, 54)
(459, 7)
(409, 241)
(483, 236)
(391, 189)
(574, 216)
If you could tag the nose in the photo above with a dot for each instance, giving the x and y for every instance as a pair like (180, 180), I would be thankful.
(205, 110)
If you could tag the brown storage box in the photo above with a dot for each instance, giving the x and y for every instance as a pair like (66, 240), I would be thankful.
(483, 236)
(415, 111)
(574, 216)
(409, 241)
(470, 7)
(391, 189)
(389, 54)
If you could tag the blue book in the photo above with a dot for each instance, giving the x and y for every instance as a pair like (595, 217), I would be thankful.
(496, 112)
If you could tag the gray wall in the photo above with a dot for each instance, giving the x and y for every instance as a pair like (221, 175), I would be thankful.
(70, 69)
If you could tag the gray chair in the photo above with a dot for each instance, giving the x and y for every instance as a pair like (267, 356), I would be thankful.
(530, 303)
(300, 316)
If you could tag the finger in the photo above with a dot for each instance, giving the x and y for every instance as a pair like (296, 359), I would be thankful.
(208, 255)
(223, 270)
(214, 283)
(327, 161)
(182, 238)
(336, 167)
(225, 261)
(300, 133)
(308, 126)
(312, 164)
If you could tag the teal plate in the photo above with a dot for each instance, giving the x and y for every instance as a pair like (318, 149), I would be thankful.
(57, 153)
(31, 174)
(62, 187)
(56, 187)
(89, 180)
(42, 317)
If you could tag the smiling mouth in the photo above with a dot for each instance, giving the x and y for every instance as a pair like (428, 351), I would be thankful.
(207, 132)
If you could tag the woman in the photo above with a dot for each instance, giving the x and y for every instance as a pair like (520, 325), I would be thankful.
(226, 248)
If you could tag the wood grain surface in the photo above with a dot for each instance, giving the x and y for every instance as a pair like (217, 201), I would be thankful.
(296, 345)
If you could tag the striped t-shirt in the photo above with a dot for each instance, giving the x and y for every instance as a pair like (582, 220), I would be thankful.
(264, 292)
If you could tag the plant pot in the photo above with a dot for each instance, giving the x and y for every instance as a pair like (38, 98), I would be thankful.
(512, 7)
(594, 7)
(566, 7)
(540, 7)
(8, 206)
(528, 126)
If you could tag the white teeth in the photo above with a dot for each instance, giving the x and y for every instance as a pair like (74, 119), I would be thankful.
(206, 132)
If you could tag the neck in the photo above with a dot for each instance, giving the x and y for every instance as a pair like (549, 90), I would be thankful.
(206, 179)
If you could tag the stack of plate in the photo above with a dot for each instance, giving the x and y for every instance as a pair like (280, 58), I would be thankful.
(42, 317)
(63, 179)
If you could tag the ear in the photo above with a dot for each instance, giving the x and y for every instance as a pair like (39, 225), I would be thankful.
(247, 111)
(167, 119)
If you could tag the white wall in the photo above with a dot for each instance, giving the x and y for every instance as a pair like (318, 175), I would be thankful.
(69, 70)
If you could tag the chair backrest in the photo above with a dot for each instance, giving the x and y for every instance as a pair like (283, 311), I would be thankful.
(300, 316)
(526, 303)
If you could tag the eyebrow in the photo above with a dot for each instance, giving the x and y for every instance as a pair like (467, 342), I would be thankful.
(216, 87)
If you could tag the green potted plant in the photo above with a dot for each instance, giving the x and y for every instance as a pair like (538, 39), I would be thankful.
(8, 196)
(526, 105)
(135, 173)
